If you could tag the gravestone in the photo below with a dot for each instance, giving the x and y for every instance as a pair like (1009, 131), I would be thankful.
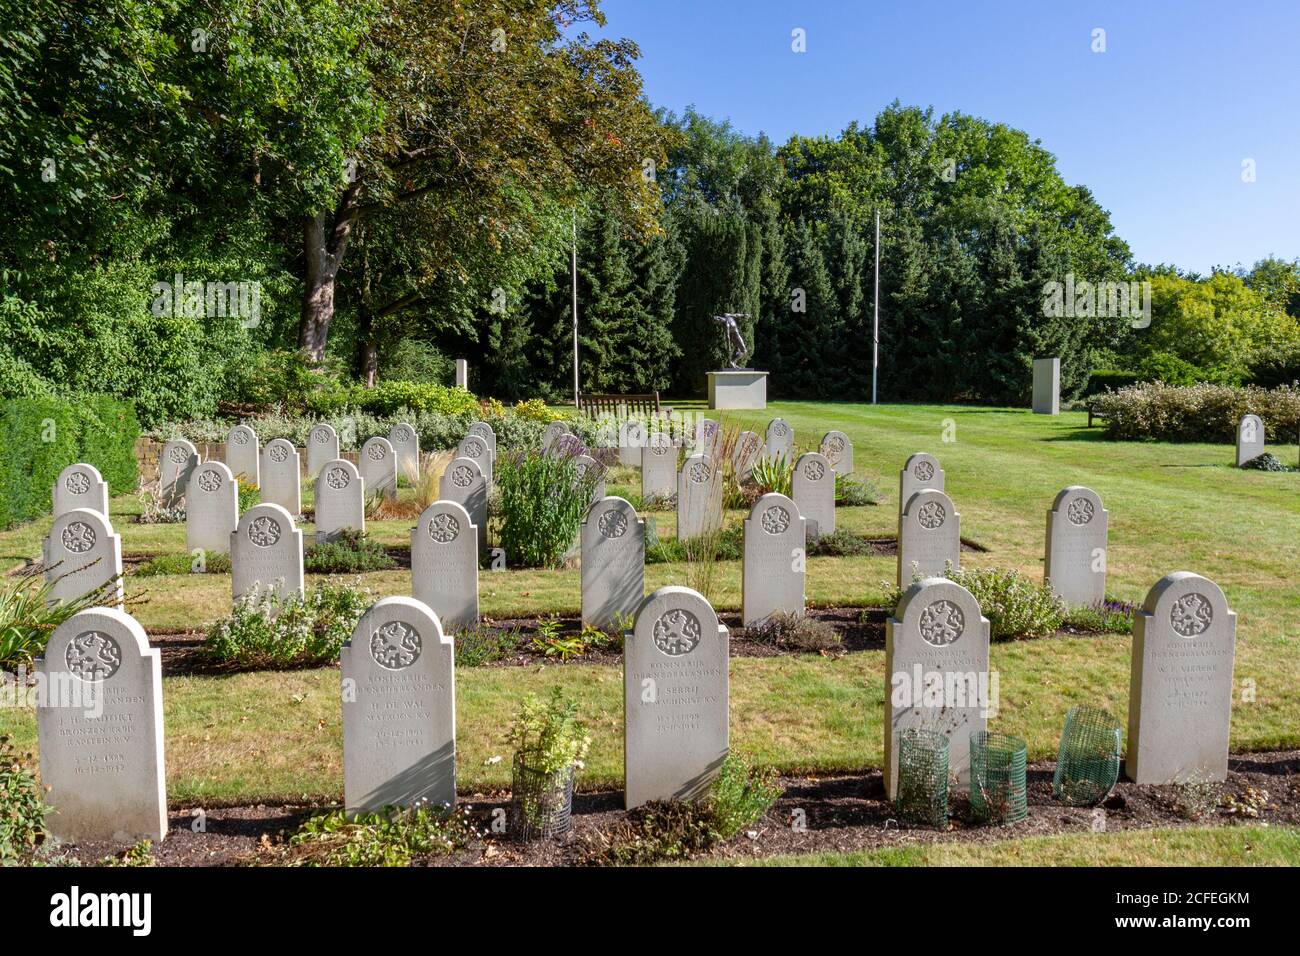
(1180, 683)
(586, 465)
(1047, 386)
(244, 455)
(399, 709)
(937, 665)
(177, 462)
(632, 437)
(613, 562)
(699, 498)
(211, 508)
(813, 490)
(772, 573)
(674, 698)
(82, 554)
(551, 433)
(749, 448)
(406, 447)
(838, 451)
(566, 446)
(80, 486)
(322, 447)
(477, 448)
(464, 484)
(1075, 568)
(1250, 439)
(780, 441)
(706, 438)
(266, 552)
(444, 563)
(921, 471)
(377, 463)
(484, 430)
(340, 500)
(99, 722)
(659, 467)
(929, 536)
(282, 475)
(462, 373)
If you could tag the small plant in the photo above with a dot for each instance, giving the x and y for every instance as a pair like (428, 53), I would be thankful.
(137, 854)
(739, 795)
(216, 563)
(773, 475)
(542, 502)
(249, 494)
(153, 511)
(1268, 462)
(22, 809)
(1015, 606)
(851, 491)
(269, 631)
(392, 837)
(481, 645)
(840, 543)
(27, 618)
(550, 744)
(795, 632)
(352, 552)
(428, 484)
(1107, 617)
(1197, 797)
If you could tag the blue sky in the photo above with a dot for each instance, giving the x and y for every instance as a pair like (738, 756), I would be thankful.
(1157, 126)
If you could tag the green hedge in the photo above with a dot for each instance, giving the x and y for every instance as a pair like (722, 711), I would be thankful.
(42, 435)
(389, 397)
(1199, 413)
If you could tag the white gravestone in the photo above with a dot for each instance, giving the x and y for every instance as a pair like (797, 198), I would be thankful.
(780, 441)
(632, 437)
(1047, 386)
(749, 448)
(244, 455)
(699, 498)
(266, 552)
(464, 484)
(340, 500)
(177, 462)
(929, 536)
(566, 446)
(282, 475)
(838, 451)
(937, 671)
(586, 465)
(462, 374)
(406, 446)
(706, 439)
(377, 463)
(80, 486)
(82, 554)
(322, 447)
(444, 563)
(484, 430)
(659, 467)
(551, 433)
(1075, 567)
(921, 471)
(1250, 439)
(399, 709)
(1180, 684)
(674, 698)
(99, 723)
(477, 448)
(773, 571)
(211, 508)
(613, 562)
(813, 489)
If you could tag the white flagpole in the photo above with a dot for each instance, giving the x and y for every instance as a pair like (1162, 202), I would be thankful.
(574, 267)
(875, 336)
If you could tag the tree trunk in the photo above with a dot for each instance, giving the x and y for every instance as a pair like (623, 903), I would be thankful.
(325, 240)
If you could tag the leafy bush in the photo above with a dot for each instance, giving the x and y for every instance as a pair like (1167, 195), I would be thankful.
(795, 632)
(1201, 413)
(1015, 606)
(542, 501)
(840, 543)
(22, 808)
(481, 645)
(851, 491)
(1108, 617)
(1267, 462)
(249, 494)
(394, 837)
(728, 545)
(388, 397)
(280, 377)
(549, 732)
(739, 795)
(216, 563)
(352, 552)
(773, 474)
(268, 631)
(1171, 370)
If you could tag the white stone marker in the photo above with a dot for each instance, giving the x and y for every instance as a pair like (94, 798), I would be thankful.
(749, 448)
(838, 451)
(444, 563)
(937, 640)
(921, 471)
(81, 554)
(1047, 386)
(266, 552)
(780, 440)
(462, 374)
(699, 498)
(1180, 683)
(813, 489)
(1075, 568)
(399, 709)
(706, 438)
(282, 475)
(552, 433)
(484, 430)
(772, 574)
(613, 562)
(929, 536)
(477, 448)
(566, 446)
(674, 698)
(244, 455)
(406, 446)
(177, 462)
(463, 483)
(80, 486)
(211, 508)
(632, 438)
(99, 723)
(322, 447)
(340, 500)
(1250, 439)
(658, 467)
(377, 463)
(586, 465)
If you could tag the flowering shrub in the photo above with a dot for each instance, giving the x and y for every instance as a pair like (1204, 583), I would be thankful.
(1199, 413)
(267, 630)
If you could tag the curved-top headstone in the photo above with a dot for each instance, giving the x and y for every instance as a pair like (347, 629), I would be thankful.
(632, 436)
(340, 495)
(674, 698)
(613, 562)
(211, 508)
(81, 555)
(779, 443)
(322, 447)
(929, 536)
(406, 446)
(706, 438)
(266, 552)
(80, 486)
(176, 463)
(566, 446)
(1075, 567)
(444, 563)
(838, 450)
(586, 466)
(244, 455)
(1250, 439)
(772, 573)
(748, 449)
(99, 722)
(282, 475)
(377, 463)
(813, 489)
(464, 483)
(551, 433)
(921, 471)
(658, 467)
(699, 498)
(477, 448)
(485, 431)
(937, 664)
(1180, 683)
(399, 709)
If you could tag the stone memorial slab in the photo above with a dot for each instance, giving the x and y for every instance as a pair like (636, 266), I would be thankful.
(399, 709)
(613, 562)
(211, 508)
(377, 463)
(80, 486)
(838, 451)
(748, 450)
(322, 447)
(1250, 439)
(1075, 568)
(586, 465)
(780, 440)
(659, 467)
(464, 484)
(266, 552)
(738, 389)
(282, 475)
(674, 698)
(772, 573)
(177, 462)
(340, 500)
(699, 498)
(632, 438)
(82, 554)
(1180, 683)
(477, 448)
(705, 438)
(406, 446)
(551, 433)
(929, 536)
(99, 722)
(1047, 386)
(462, 373)
(921, 471)
(484, 430)
(444, 564)
(813, 489)
(566, 446)
(244, 455)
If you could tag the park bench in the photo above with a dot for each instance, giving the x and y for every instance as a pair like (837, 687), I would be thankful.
(620, 406)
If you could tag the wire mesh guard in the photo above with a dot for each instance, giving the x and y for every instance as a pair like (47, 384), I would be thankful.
(1087, 764)
(540, 803)
(997, 778)
(923, 777)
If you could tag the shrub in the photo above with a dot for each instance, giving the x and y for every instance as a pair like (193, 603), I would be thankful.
(739, 795)
(549, 732)
(1267, 462)
(481, 645)
(216, 563)
(850, 491)
(795, 632)
(22, 808)
(1015, 606)
(840, 543)
(269, 631)
(1201, 413)
(773, 474)
(249, 494)
(393, 837)
(542, 501)
(1171, 370)
(352, 552)
(388, 397)
(1108, 617)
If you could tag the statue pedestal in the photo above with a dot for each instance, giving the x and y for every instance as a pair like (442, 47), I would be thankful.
(738, 388)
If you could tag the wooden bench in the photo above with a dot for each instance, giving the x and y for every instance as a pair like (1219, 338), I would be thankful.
(636, 406)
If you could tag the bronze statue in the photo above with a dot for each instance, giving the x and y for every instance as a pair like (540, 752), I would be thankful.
(737, 351)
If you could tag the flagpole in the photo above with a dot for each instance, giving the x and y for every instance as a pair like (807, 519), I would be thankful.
(573, 263)
(875, 335)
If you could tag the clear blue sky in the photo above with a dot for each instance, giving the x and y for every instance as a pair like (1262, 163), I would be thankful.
(1157, 126)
